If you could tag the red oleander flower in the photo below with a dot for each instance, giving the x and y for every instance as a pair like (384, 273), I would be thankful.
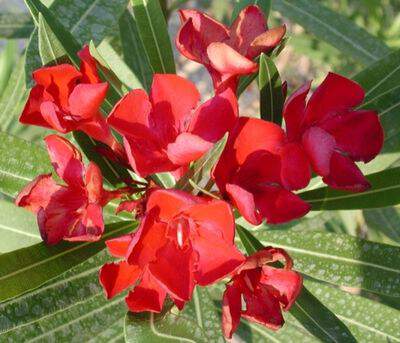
(73, 211)
(258, 170)
(226, 52)
(165, 131)
(265, 290)
(183, 240)
(332, 133)
(65, 99)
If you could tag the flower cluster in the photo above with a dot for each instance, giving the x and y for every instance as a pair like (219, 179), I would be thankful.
(185, 240)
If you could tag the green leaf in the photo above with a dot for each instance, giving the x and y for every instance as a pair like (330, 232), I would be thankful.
(271, 95)
(7, 62)
(133, 50)
(384, 220)
(202, 167)
(18, 227)
(369, 321)
(69, 308)
(154, 34)
(333, 28)
(340, 259)
(39, 263)
(15, 25)
(384, 191)
(160, 328)
(241, 4)
(311, 313)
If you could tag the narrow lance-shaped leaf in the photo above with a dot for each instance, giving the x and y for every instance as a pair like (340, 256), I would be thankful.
(308, 310)
(15, 25)
(333, 28)
(7, 62)
(39, 263)
(340, 259)
(271, 94)
(154, 34)
(384, 191)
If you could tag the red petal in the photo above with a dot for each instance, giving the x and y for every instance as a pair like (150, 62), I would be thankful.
(249, 24)
(99, 130)
(147, 296)
(55, 119)
(295, 170)
(228, 61)
(359, 134)
(174, 270)
(86, 99)
(215, 117)
(266, 41)
(37, 194)
(88, 66)
(31, 114)
(231, 310)
(278, 205)
(173, 99)
(118, 247)
(245, 203)
(187, 148)
(128, 206)
(116, 277)
(345, 175)
(335, 94)
(286, 283)
(91, 226)
(319, 146)
(294, 111)
(66, 160)
(94, 183)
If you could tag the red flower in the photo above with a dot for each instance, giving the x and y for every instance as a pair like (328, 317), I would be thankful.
(333, 134)
(265, 290)
(72, 212)
(258, 170)
(65, 99)
(183, 240)
(227, 53)
(162, 133)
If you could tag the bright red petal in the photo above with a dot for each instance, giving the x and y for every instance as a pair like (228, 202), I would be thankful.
(295, 169)
(231, 310)
(336, 94)
(245, 203)
(118, 247)
(88, 66)
(66, 160)
(94, 183)
(31, 114)
(116, 277)
(54, 117)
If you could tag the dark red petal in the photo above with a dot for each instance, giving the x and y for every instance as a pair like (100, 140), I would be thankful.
(174, 270)
(31, 114)
(37, 194)
(187, 148)
(174, 97)
(116, 277)
(263, 308)
(284, 284)
(359, 134)
(249, 24)
(215, 117)
(266, 41)
(228, 61)
(231, 310)
(334, 95)
(66, 160)
(147, 296)
(94, 183)
(118, 247)
(294, 111)
(86, 99)
(344, 174)
(319, 146)
(277, 205)
(295, 170)
(88, 66)
(245, 203)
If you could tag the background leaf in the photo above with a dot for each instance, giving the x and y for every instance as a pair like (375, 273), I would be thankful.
(240, 4)
(15, 25)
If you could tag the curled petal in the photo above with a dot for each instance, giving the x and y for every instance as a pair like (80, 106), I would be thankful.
(88, 66)
(231, 310)
(116, 277)
(266, 41)
(54, 118)
(31, 114)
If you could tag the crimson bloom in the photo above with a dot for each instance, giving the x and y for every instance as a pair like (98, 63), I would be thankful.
(165, 131)
(258, 170)
(226, 52)
(183, 240)
(66, 99)
(265, 290)
(72, 212)
(332, 133)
